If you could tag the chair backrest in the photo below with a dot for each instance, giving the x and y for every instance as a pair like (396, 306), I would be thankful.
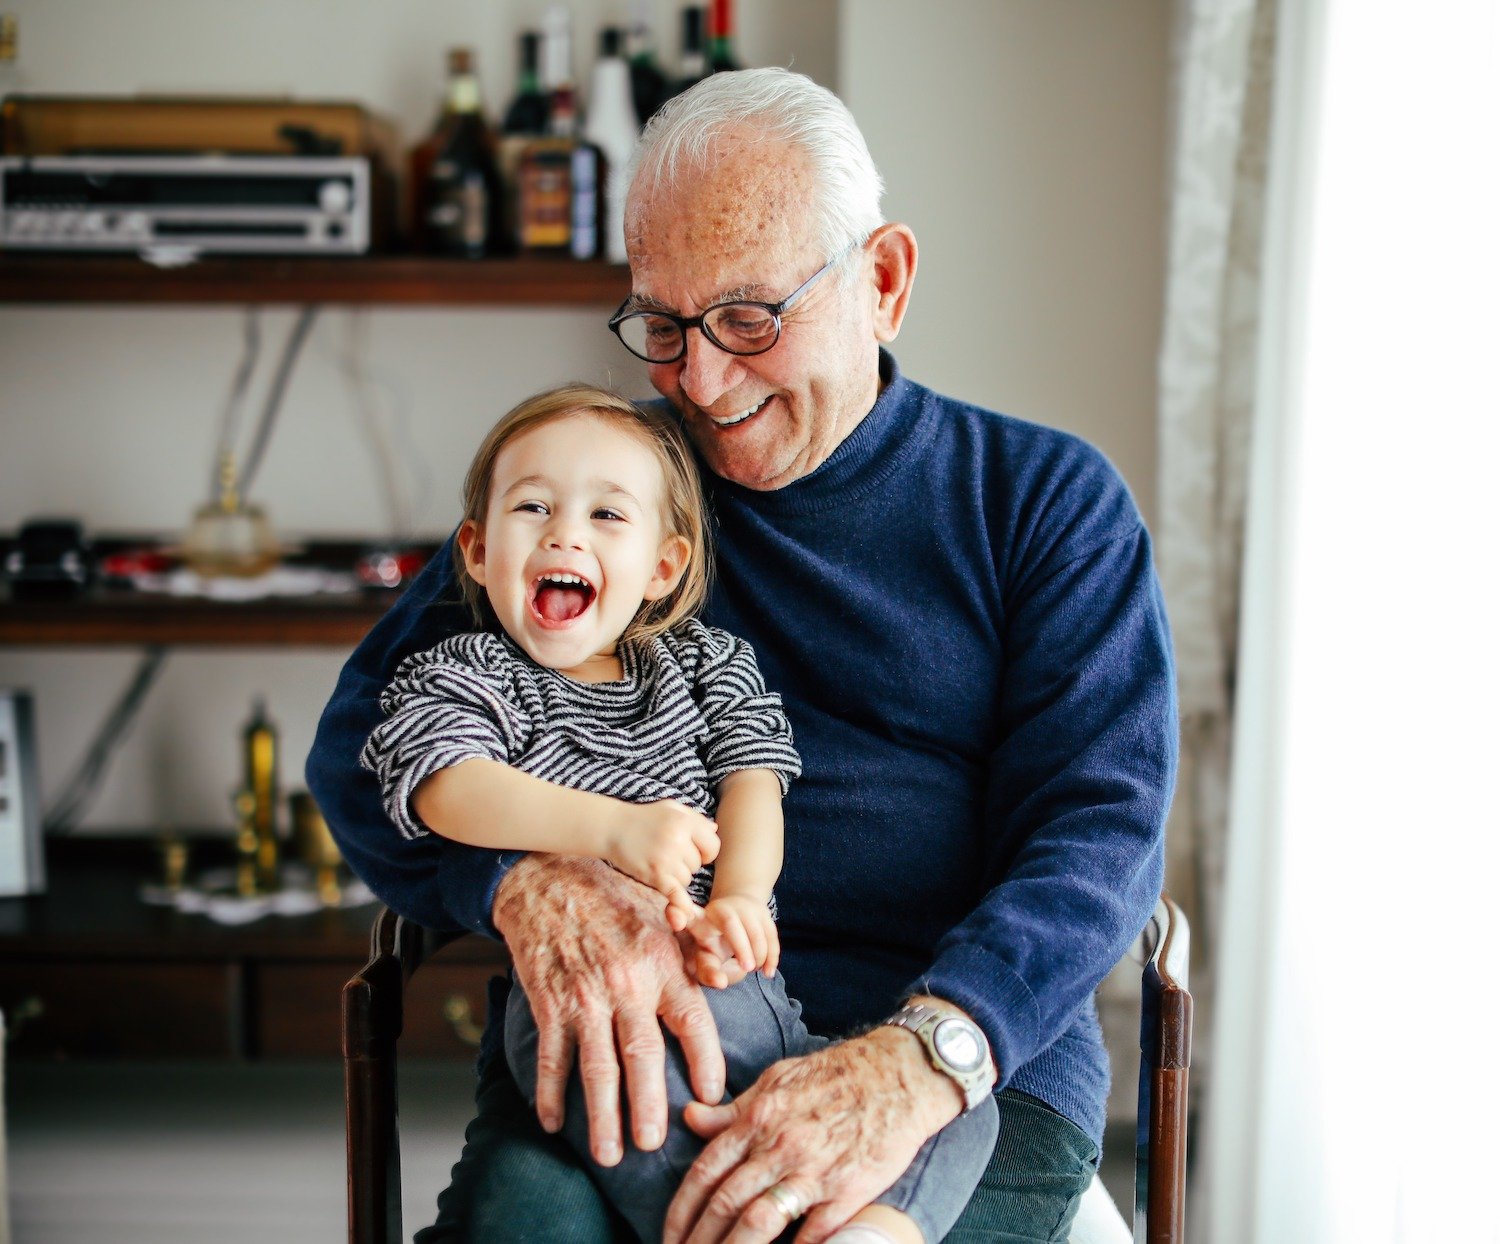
(372, 1015)
(371, 1012)
(1161, 1121)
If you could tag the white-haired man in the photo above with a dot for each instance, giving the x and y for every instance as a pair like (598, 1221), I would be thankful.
(960, 613)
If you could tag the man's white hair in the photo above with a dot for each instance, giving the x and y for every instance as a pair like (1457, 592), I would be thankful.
(781, 106)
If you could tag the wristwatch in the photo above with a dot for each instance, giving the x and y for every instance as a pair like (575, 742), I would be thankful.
(955, 1047)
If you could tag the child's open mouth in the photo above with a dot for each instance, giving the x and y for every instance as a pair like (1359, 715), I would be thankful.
(558, 597)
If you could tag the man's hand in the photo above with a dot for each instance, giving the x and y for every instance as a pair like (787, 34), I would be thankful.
(599, 965)
(662, 845)
(738, 928)
(835, 1127)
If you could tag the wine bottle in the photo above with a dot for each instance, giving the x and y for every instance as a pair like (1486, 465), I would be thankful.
(648, 85)
(693, 65)
(460, 192)
(525, 120)
(530, 110)
(721, 37)
(613, 129)
(560, 201)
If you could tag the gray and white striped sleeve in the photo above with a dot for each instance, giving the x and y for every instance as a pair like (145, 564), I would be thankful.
(748, 728)
(444, 706)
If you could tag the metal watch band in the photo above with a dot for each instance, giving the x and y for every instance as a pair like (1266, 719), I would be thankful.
(974, 1082)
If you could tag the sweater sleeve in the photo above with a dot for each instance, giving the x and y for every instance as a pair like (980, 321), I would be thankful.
(1080, 780)
(444, 706)
(434, 881)
(747, 726)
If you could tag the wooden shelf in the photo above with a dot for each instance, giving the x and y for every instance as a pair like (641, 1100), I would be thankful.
(135, 619)
(400, 280)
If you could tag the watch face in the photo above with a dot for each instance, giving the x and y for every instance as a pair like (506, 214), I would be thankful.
(958, 1046)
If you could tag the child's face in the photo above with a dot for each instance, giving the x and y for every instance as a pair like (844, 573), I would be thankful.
(573, 542)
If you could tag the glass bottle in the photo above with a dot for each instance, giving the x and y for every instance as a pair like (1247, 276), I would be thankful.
(612, 128)
(694, 64)
(648, 85)
(459, 206)
(525, 120)
(721, 58)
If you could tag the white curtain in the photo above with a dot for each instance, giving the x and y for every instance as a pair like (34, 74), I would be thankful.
(1356, 1084)
(1222, 107)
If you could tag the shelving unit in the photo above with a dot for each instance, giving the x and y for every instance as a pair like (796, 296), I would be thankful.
(114, 617)
(392, 280)
(119, 619)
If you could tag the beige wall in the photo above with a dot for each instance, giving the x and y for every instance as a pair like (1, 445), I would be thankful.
(1025, 144)
(1028, 159)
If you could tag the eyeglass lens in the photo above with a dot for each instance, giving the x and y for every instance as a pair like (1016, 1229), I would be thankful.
(739, 327)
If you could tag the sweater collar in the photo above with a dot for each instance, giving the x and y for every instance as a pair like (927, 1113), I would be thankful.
(860, 461)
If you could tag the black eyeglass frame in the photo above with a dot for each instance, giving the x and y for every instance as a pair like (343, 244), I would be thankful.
(685, 322)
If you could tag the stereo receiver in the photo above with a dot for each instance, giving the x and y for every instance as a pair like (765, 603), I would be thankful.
(210, 204)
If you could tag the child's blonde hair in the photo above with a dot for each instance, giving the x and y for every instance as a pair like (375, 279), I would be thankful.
(683, 509)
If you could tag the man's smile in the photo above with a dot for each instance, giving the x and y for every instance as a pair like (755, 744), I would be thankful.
(729, 421)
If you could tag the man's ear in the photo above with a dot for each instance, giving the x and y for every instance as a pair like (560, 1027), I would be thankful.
(471, 545)
(893, 247)
(670, 567)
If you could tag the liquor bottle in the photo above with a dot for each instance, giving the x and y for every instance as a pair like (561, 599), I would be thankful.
(560, 201)
(648, 85)
(530, 110)
(9, 78)
(459, 204)
(525, 120)
(721, 37)
(613, 129)
(694, 65)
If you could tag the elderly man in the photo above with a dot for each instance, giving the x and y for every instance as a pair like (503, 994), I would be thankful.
(960, 612)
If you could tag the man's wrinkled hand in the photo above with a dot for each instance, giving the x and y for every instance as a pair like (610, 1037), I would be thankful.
(835, 1128)
(603, 973)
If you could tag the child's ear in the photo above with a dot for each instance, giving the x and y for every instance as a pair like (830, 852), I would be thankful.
(471, 545)
(670, 567)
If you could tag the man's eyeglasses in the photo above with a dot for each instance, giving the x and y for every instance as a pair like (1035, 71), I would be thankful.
(736, 327)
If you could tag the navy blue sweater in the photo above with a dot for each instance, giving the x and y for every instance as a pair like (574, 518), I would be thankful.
(960, 613)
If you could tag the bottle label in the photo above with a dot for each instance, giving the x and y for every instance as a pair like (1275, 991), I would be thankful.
(460, 211)
(546, 199)
(585, 170)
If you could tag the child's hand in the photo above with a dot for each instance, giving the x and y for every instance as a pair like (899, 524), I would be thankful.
(662, 845)
(739, 927)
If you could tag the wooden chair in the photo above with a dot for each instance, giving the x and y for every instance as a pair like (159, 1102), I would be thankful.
(372, 1002)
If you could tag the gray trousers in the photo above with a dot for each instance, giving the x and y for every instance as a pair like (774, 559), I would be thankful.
(758, 1025)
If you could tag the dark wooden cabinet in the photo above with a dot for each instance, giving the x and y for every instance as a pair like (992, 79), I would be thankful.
(88, 970)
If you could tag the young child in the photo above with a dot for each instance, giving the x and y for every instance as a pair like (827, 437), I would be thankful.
(593, 715)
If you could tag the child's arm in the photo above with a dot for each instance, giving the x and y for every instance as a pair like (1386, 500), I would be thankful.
(737, 923)
(487, 803)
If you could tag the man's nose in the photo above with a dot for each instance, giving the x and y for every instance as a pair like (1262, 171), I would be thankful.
(707, 371)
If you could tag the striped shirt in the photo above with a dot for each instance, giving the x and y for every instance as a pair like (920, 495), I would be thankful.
(691, 706)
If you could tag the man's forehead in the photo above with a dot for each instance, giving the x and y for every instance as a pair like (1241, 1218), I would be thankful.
(733, 231)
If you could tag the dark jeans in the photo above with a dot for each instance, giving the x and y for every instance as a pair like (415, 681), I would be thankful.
(513, 1182)
(758, 1025)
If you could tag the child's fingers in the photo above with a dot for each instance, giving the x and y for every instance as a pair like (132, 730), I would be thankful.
(729, 923)
(773, 952)
(682, 912)
(757, 942)
(706, 840)
(711, 970)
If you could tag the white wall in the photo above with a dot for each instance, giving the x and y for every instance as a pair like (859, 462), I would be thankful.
(1025, 143)
(1022, 140)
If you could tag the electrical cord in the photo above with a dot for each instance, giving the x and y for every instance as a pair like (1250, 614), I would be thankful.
(80, 789)
(272, 408)
(229, 421)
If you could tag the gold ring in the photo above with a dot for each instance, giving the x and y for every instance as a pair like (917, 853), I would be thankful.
(787, 1201)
